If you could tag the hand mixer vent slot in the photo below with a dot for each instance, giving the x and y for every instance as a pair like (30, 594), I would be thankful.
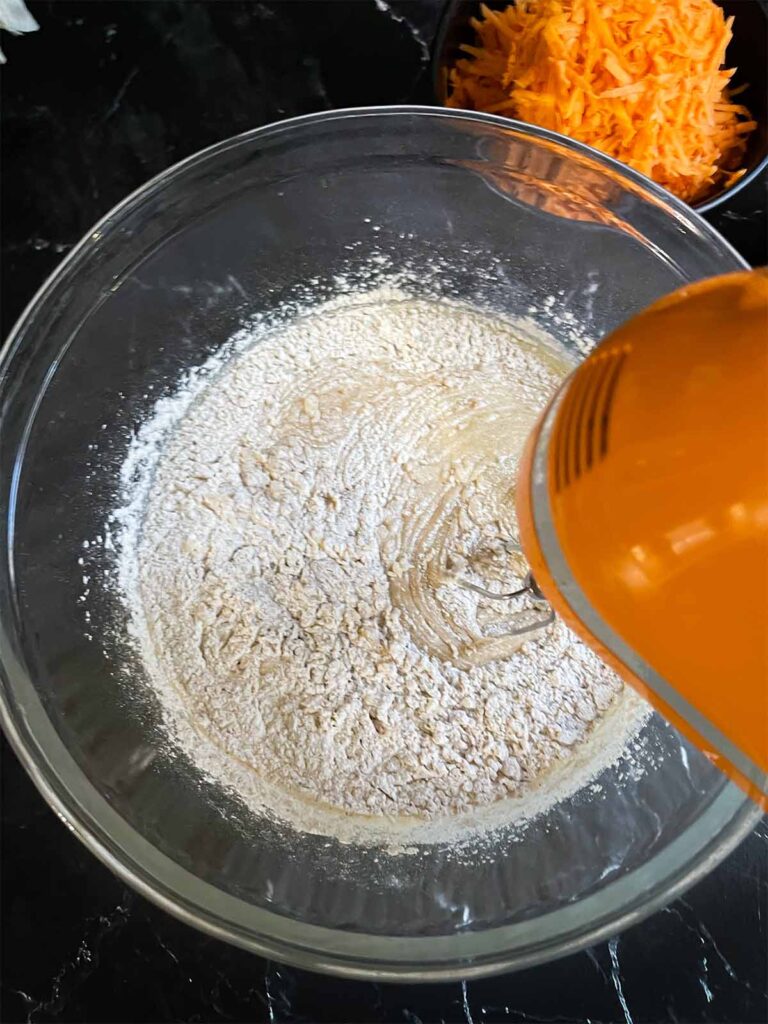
(583, 426)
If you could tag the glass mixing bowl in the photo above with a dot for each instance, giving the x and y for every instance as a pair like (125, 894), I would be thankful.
(504, 215)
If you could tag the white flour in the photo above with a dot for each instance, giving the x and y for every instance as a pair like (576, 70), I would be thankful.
(292, 582)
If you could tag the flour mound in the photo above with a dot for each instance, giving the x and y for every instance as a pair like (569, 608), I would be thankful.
(294, 581)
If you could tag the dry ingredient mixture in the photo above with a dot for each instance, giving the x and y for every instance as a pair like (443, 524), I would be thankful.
(293, 581)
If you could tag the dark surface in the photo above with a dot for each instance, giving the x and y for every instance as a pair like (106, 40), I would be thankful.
(103, 97)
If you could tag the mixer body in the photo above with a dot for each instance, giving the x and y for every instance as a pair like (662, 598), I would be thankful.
(643, 509)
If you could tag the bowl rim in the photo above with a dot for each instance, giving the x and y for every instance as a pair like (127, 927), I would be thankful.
(119, 846)
(449, 9)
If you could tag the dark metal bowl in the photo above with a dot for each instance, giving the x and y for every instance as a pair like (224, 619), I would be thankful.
(748, 52)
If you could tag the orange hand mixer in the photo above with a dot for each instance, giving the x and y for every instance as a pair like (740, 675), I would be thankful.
(643, 512)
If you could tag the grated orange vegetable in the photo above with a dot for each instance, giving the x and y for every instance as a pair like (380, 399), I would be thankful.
(641, 80)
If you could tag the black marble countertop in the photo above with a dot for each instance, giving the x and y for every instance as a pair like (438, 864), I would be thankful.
(104, 96)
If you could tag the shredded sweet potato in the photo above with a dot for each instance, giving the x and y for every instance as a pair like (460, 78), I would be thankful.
(641, 80)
